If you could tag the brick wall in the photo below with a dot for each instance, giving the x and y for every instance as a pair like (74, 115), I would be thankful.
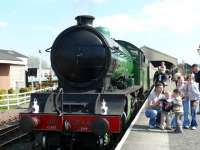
(4, 76)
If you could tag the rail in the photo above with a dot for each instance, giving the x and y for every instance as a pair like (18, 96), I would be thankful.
(8, 100)
(10, 135)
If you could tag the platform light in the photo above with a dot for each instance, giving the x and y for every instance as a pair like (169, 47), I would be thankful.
(104, 108)
(35, 106)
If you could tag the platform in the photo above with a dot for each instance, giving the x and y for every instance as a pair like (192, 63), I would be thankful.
(140, 137)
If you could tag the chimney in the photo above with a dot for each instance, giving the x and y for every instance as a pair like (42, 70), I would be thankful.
(85, 20)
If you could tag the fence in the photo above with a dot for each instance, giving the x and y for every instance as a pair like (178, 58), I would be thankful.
(8, 100)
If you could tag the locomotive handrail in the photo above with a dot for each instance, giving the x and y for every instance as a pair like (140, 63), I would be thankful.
(56, 101)
(48, 49)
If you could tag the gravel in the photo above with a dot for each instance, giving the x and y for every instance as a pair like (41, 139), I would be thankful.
(9, 116)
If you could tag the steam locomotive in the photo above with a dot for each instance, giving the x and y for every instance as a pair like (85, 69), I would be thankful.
(100, 81)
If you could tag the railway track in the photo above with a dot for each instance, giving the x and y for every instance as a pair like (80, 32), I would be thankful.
(10, 134)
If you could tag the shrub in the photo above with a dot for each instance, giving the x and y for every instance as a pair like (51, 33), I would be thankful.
(2, 92)
(11, 91)
(23, 90)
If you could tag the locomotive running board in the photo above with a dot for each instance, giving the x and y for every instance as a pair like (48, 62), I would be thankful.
(76, 122)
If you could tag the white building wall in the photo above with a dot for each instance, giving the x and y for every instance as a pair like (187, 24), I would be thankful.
(25, 62)
(17, 76)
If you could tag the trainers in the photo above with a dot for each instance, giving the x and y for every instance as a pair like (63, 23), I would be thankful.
(165, 83)
(186, 127)
(168, 128)
(194, 128)
(151, 127)
(161, 127)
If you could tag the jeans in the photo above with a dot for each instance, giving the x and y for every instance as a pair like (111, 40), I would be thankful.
(186, 121)
(165, 117)
(152, 114)
(186, 106)
(178, 118)
(194, 105)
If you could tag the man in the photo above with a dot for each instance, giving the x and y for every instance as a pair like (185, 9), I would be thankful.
(153, 109)
(160, 76)
(196, 71)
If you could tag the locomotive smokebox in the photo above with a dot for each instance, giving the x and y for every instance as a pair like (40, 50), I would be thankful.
(80, 56)
(85, 20)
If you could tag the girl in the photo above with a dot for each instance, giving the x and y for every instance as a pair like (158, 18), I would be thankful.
(181, 86)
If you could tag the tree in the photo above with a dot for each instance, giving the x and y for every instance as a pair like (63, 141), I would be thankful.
(33, 62)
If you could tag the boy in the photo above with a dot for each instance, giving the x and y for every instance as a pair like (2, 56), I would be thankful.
(178, 110)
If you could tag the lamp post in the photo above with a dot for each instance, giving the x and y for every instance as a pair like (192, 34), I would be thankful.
(40, 69)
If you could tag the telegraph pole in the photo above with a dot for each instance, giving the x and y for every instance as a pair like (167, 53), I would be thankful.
(40, 68)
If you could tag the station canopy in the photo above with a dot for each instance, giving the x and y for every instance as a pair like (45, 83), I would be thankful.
(156, 57)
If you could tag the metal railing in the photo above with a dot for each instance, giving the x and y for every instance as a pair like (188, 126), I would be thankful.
(8, 100)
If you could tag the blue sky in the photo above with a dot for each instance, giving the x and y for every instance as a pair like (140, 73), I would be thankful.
(170, 26)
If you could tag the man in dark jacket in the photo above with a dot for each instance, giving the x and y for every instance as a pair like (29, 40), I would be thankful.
(196, 71)
(160, 77)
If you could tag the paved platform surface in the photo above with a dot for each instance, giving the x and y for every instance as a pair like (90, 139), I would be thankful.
(140, 137)
(143, 138)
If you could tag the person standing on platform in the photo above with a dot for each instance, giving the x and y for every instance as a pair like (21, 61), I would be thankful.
(181, 86)
(153, 109)
(196, 71)
(160, 75)
(162, 67)
(193, 94)
(178, 110)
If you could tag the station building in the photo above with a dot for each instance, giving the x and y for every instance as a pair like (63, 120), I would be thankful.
(13, 66)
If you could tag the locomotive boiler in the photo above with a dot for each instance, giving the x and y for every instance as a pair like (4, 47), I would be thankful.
(99, 80)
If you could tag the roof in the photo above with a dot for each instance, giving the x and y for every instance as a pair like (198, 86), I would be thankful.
(11, 57)
(12, 53)
(155, 55)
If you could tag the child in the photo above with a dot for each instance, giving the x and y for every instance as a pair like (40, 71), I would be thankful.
(178, 110)
(166, 107)
(193, 94)
(181, 86)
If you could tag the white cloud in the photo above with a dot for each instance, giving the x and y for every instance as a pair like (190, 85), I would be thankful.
(3, 24)
(98, 1)
(91, 1)
(174, 15)
(122, 22)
